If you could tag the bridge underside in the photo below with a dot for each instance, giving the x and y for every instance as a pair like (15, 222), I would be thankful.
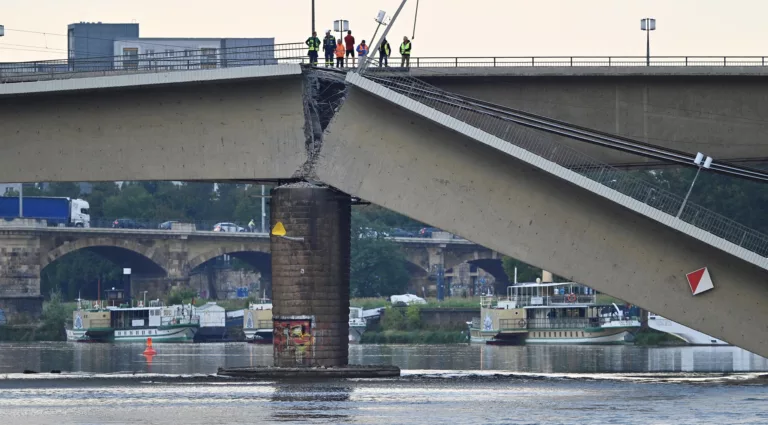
(723, 116)
(406, 163)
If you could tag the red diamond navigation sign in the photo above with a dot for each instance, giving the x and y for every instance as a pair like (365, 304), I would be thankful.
(699, 281)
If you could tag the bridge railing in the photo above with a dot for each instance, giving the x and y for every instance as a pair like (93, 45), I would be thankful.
(161, 61)
(577, 61)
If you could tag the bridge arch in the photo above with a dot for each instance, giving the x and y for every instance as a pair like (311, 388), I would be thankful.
(256, 254)
(124, 252)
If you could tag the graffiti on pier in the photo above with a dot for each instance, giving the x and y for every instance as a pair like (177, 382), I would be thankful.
(293, 338)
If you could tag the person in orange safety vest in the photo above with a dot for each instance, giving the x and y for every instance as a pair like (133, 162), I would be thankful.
(340, 54)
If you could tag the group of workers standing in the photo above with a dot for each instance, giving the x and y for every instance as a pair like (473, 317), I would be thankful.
(342, 51)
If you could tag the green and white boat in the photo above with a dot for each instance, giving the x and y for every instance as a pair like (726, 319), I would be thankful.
(134, 323)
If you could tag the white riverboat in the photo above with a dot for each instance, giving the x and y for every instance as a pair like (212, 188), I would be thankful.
(357, 324)
(551, 313)
(124, 323)
(690, 336)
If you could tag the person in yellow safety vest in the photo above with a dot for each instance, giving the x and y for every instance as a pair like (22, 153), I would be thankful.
(251, 226)
(329, 47)
(384, 51)
(340, 55)
(314, 46)
(405, 52)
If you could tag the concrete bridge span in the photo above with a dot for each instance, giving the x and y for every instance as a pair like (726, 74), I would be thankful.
(529, 214)
(722, 112)
(249, 123)
(242, 123)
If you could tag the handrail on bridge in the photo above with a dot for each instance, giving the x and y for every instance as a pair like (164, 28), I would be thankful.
(161, 61)
(584, 61)
(211, 58)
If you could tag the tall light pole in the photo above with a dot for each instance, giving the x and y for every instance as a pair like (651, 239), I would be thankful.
(647, 25)
(698, 161)
(313, 15)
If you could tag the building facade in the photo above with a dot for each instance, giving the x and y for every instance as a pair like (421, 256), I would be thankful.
(90, 43)
(192, 53)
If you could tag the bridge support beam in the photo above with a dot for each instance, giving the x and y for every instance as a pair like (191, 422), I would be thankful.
(310, 276)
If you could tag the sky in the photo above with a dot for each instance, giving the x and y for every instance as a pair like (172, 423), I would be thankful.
(445, 28)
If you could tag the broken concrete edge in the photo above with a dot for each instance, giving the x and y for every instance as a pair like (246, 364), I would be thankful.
(271, 372)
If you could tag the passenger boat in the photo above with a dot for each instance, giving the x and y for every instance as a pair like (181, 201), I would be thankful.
(690, 336)
(126, 323)
(257, 322)
(357, 324)
(551, 313)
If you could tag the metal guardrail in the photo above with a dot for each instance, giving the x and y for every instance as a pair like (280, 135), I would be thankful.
(621, 181)
(580, 61)
(212, 58)
(161, 61)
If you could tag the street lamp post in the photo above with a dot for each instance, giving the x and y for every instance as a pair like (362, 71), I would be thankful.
(698, 161)
(313, 15)
(647, 25)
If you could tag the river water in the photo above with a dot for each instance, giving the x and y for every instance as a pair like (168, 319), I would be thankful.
(458, 384)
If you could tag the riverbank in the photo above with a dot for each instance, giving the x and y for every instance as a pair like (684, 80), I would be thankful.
(653, 338)
(414, 337)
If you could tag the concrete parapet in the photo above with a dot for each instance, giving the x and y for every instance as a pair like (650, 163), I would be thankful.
(23, 222)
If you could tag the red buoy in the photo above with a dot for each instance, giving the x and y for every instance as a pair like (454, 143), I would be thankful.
(149, 350)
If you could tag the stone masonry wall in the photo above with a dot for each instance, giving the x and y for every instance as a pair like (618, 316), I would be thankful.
(310, 278)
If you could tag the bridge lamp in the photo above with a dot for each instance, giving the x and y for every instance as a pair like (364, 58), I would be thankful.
(648, 25)
(701, 162)
(341, 26)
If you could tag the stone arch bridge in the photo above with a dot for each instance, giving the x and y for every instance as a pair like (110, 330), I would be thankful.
(160, 259)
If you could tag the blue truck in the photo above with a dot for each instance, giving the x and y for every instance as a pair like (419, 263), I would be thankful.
(56, 211)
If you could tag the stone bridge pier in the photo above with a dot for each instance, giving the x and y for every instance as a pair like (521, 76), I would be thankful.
(310, 276)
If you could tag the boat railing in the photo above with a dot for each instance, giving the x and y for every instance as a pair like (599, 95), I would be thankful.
(578, 322)
(179, 320)
(566, 299)
(562, 323)
(486, 301)
(512, 324)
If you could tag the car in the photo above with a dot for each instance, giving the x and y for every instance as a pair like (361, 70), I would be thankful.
(401, 233)
(228, 227)
(168, 225)
(427, 232)
(127, 223)
(368, 232)
(406, 299)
